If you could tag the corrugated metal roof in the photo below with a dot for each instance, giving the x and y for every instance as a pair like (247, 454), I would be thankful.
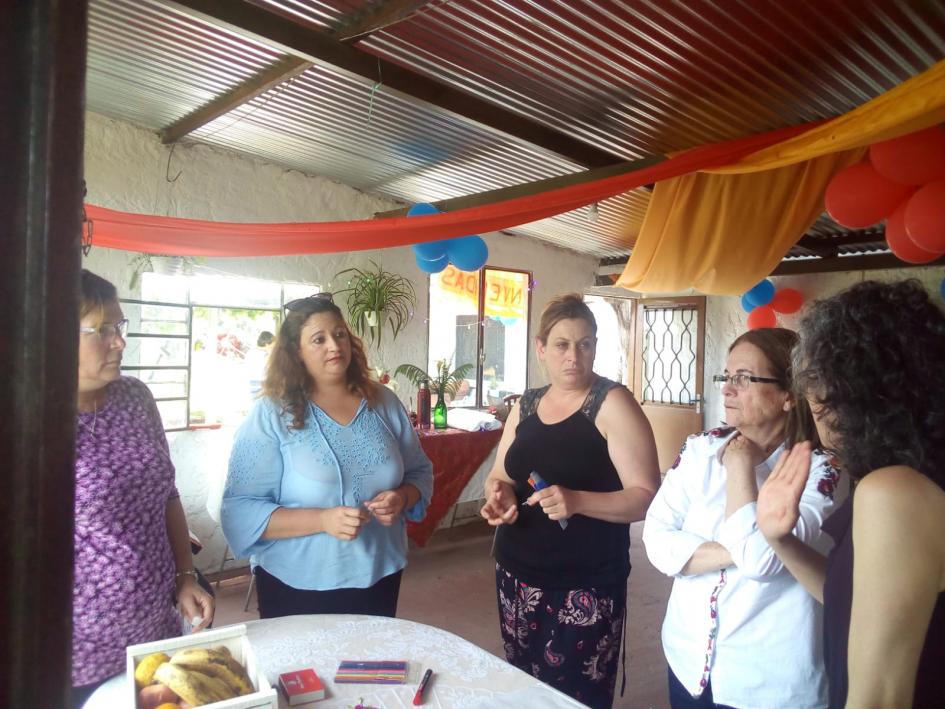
(150, 66)
(630, 78)
(317, 15)
(649, 77)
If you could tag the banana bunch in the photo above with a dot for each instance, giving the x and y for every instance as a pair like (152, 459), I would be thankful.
(215, 662)
(198, 675)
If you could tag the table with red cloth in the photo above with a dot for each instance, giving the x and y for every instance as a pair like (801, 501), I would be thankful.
(456, 457)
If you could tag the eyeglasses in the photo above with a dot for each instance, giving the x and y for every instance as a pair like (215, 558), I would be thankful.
(107, 332)
(741, 381)
(298, 303)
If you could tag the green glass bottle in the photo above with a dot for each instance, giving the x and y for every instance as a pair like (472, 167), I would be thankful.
(439, 415)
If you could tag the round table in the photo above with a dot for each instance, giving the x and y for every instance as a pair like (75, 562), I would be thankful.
(465, 675)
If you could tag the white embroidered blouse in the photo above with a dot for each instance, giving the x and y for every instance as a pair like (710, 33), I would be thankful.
(751, 629)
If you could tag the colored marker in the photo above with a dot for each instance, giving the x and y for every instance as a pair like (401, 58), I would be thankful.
(418, 697)
(539, 483)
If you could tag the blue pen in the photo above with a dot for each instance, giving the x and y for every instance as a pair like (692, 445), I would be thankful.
(539, 483)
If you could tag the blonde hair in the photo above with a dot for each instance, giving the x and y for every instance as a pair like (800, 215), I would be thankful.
(569, 306)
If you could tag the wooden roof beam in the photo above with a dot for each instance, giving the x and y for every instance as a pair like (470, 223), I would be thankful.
(528, 189)
(284, 70)
(358, 27)
(321, 48)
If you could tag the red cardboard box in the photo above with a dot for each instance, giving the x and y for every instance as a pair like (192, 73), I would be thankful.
(301, 686)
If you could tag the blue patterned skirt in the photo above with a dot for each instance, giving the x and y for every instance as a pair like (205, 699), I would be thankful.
(569, 639)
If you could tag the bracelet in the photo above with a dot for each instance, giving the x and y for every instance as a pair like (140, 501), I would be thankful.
(186, 572)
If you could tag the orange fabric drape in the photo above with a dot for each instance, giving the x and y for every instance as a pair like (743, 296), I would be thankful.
(195, 237)
(721, 234)
(915, 104)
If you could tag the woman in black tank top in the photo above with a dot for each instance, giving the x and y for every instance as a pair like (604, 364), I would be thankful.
(870, 361)
(563, 550)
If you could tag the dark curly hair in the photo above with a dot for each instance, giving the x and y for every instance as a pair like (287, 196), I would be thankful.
(288, 381)
(874, 357)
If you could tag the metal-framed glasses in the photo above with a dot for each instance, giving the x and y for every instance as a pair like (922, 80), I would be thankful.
(107, 332)
(741, 381)
(325, 297)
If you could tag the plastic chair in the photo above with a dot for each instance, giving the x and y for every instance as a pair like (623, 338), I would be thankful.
(510, 400)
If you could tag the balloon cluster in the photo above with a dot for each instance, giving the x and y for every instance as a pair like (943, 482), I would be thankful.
(763, 302)
(903, 182)
(467, 253)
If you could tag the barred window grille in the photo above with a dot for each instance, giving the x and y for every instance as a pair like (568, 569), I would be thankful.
(669, 355)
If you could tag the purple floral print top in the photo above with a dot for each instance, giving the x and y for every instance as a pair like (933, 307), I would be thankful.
(123, 588)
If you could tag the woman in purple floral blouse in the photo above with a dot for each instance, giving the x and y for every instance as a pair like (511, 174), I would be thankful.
(132, 549)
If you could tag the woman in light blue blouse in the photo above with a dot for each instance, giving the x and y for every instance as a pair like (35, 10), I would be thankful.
(322, 474)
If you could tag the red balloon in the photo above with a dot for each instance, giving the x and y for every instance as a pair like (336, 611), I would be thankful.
(787, 300)
(925, 217)
(913, 159)
(900, 243)
(858, 196)
(762, 316)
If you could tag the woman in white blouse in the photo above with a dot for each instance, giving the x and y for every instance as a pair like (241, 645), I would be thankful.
(739, 630)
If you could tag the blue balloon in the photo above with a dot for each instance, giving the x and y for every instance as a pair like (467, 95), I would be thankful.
(746, 304)
(761, 294)
(431, 250)
(468, 253)
(422, 208)
(507, 321)
(432, 266)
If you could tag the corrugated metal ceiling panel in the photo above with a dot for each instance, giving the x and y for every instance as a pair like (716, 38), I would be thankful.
(630, 78)
(151, 66)
(332, 124)
(645, 77)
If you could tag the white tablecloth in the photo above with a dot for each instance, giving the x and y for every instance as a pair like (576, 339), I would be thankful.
(465, 676)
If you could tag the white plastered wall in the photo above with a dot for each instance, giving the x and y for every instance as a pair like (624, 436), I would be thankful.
(726, 320)
(126, 168)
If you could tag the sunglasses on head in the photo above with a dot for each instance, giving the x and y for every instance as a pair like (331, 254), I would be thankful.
(299, 303)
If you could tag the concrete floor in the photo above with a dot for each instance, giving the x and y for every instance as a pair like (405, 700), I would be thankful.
(450, 584)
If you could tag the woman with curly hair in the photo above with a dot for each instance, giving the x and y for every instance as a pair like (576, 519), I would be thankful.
(871, 366)
(322, 474)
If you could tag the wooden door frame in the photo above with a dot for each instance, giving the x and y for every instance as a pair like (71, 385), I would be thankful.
(43, 43)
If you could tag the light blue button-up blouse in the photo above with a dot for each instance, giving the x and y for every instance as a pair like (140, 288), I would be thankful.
(325, 464)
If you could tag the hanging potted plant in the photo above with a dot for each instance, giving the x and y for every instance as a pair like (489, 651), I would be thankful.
(442, 383)
(376, 297)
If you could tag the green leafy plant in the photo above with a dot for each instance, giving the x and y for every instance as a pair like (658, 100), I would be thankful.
(442, 383)
(375, 297)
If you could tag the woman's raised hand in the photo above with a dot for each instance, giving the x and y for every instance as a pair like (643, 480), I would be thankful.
(780, 497)
(344, 523)
(741, 454)
(501, 506)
